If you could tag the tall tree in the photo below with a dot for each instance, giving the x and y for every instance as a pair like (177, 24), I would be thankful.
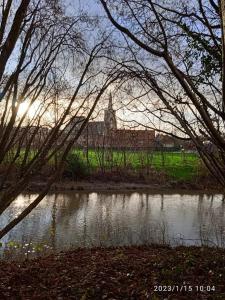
(175, 51)
(42, 50)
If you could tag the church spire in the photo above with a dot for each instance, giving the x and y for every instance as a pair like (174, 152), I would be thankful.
(110, 105)
(110, 116)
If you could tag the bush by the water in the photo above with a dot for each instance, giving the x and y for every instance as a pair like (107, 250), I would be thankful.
(75, 167)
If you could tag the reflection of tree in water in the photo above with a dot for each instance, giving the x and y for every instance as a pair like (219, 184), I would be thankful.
(86, 219)
(101, 225)
(71, 208)
(123, 201)
(119, 219)
(107, 220)
(210, 220)
(110, 222)
(53, 224)
(219, 225)
(31, 226)
(153, 229)
(162, 201)
(40, 225)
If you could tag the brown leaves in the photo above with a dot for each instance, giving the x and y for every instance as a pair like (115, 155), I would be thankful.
(115, 273)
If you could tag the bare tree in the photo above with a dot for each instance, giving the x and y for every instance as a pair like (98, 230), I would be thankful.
(175, 50)
(43, 51)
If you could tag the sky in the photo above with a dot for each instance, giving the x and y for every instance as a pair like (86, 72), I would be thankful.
(94, 8)
(91, 6)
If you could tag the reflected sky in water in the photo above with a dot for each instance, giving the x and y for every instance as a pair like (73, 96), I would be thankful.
(104, 219)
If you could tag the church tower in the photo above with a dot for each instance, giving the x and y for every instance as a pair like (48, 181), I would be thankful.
(110, 117)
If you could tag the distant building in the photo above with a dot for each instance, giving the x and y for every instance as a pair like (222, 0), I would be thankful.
(33, 135)
(164, 141)
(132, 139)
(99, 134)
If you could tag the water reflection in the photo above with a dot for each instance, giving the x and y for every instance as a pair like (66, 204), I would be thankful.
(104, 219)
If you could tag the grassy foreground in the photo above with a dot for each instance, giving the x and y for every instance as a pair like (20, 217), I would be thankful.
(118, 273)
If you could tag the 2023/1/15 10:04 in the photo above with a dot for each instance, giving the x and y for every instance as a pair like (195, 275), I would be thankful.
(184, 288)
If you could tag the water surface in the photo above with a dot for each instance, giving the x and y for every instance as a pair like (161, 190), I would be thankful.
(109, 219)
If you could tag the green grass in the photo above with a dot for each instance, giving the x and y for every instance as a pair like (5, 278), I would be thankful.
(177, 165)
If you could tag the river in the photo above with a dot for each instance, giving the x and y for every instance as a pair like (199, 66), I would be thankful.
(84, 219)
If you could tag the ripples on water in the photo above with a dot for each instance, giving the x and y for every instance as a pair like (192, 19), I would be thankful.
(103, 219)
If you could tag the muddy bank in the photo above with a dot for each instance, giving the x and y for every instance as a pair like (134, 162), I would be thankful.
(153, 272)
(103, 186)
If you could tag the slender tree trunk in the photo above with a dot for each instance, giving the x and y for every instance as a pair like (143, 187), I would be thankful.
(222, 7)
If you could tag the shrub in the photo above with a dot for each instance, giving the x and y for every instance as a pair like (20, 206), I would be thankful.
(75, 167)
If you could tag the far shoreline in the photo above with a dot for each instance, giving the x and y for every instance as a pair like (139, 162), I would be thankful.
(89, 186)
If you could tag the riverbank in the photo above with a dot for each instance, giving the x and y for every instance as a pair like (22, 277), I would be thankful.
(118, 273)
(93, 185)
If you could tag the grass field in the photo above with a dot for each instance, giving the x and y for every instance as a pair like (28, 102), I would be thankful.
(175, 164)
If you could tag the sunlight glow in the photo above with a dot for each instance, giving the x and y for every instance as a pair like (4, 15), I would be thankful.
(29, 111)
